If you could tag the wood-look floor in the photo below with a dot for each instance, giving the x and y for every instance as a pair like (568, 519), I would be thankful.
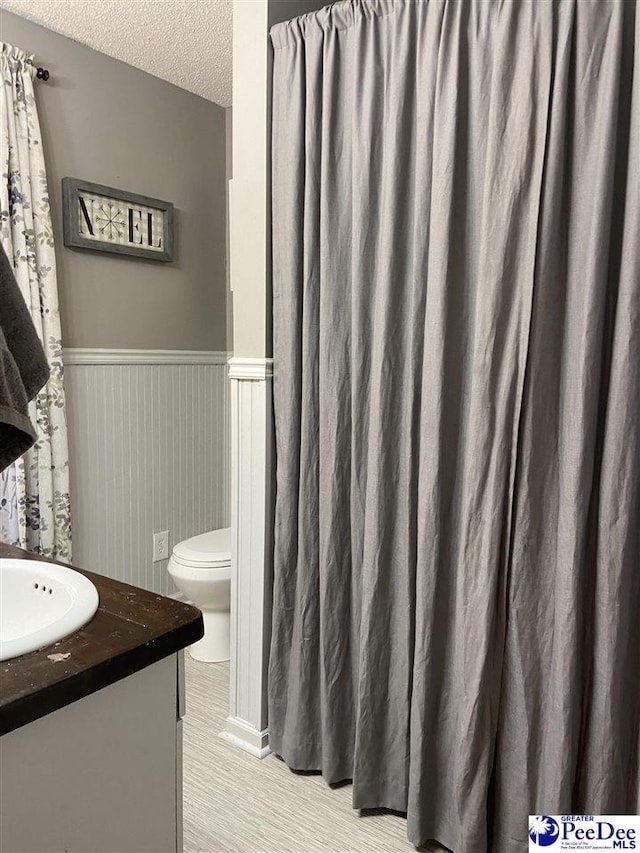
(236, 803)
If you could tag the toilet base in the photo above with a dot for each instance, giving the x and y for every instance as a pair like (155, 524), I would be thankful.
(214, 646)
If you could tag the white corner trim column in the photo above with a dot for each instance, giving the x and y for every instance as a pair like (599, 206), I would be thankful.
(251, 549)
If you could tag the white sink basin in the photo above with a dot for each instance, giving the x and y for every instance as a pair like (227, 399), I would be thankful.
(40, 603)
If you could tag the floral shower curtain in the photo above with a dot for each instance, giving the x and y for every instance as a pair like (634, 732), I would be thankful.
(34, 491)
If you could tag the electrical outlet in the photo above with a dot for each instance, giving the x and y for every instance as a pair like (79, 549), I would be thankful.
(161, 546)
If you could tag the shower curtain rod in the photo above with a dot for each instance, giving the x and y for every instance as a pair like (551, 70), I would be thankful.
(41, 73)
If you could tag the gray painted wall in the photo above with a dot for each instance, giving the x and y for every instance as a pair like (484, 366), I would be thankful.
(107, 122)
(284, 10)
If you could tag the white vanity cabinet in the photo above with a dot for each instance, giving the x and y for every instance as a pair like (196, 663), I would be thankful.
(103, 773)
(91, 728)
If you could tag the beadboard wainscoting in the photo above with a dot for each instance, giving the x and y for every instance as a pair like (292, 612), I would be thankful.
(149, 451)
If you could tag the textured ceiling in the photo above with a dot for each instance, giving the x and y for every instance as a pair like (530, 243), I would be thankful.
(187, 42)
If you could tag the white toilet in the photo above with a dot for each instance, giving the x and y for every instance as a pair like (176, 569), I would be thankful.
(201, 569)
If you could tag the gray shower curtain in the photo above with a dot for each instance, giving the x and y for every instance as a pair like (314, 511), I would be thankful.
(456, 282)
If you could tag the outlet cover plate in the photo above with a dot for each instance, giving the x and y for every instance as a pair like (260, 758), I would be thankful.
(161, 546)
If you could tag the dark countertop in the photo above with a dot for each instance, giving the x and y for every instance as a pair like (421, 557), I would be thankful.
(132, 628)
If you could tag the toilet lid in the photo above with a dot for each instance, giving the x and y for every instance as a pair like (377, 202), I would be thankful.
(212, 548)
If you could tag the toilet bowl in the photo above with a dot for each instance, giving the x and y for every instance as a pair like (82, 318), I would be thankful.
(201, 569)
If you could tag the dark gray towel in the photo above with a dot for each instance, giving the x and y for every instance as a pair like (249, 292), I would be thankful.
(23, 367)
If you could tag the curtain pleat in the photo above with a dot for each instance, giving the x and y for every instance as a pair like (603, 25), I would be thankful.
(456, 355)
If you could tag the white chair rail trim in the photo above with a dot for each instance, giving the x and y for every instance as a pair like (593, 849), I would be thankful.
(250, 368)
(81, 355)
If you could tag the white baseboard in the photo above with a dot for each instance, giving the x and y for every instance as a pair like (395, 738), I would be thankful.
(243, 735)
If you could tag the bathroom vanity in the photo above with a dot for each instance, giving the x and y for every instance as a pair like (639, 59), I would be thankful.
(91, 729)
